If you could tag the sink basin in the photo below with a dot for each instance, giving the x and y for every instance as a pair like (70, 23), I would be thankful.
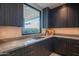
(40, 37)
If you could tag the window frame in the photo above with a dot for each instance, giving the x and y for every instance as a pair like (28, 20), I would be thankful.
(39, 20)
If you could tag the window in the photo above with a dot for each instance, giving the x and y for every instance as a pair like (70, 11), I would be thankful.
(31, 20)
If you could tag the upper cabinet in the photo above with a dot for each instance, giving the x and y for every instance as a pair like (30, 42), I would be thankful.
(73, 15)
(59, 17)
(47, 22)
(66, 15)
(1, 15)
(11, 14)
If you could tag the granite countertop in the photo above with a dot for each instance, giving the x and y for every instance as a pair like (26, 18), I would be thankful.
(67, 36)
(7, 46)
(19, 43)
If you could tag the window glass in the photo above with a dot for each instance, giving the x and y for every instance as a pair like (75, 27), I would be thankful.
(31, 20)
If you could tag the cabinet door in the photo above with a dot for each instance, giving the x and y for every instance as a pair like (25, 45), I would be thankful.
(46, 18)
(69, 47)
(13, 14)
(43, 48)
(36, 50)
(73, 15)
(66, 16)
(73, 47)
(48, 44)
(1, 15)
(17, 52)
(61, 17)
(52, 19)
(60, 46)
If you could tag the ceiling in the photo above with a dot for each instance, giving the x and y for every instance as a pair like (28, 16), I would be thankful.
(40, 6)
(50, 5)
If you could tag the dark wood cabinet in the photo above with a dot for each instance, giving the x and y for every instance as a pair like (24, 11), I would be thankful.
(42, 48)
(47, 22)
(66, 47)
(73, 15)
(48, 43)
(17, 52)
(59, 17)
(11, 14)
(1, 15)
(66, 15)
(73, 47)
(60, 46)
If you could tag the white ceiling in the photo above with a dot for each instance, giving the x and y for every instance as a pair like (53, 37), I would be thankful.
(50, 5)
(40, 6)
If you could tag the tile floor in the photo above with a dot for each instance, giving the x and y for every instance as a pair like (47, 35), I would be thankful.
(54, 54)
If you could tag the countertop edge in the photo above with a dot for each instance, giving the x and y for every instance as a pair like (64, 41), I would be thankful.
(21, 44)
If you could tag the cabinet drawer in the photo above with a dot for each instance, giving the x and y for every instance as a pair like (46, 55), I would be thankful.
(17, 52)
(73, 50)
(73, 53)
(76, 46)
(74, 42)
(37, 51)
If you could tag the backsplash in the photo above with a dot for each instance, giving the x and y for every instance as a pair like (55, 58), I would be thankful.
(9, 32)
(67, 31)
(12, 32)
(48, 31)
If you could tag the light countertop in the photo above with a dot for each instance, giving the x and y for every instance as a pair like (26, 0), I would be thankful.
(25, 42)
(19, 43)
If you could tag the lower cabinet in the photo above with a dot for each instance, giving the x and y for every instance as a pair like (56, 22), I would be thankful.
(42, 48)
(66, 47)
(73, 48)
(62, 46)
(17, 52)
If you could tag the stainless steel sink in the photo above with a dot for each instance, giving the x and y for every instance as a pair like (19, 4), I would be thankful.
(39, 37)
